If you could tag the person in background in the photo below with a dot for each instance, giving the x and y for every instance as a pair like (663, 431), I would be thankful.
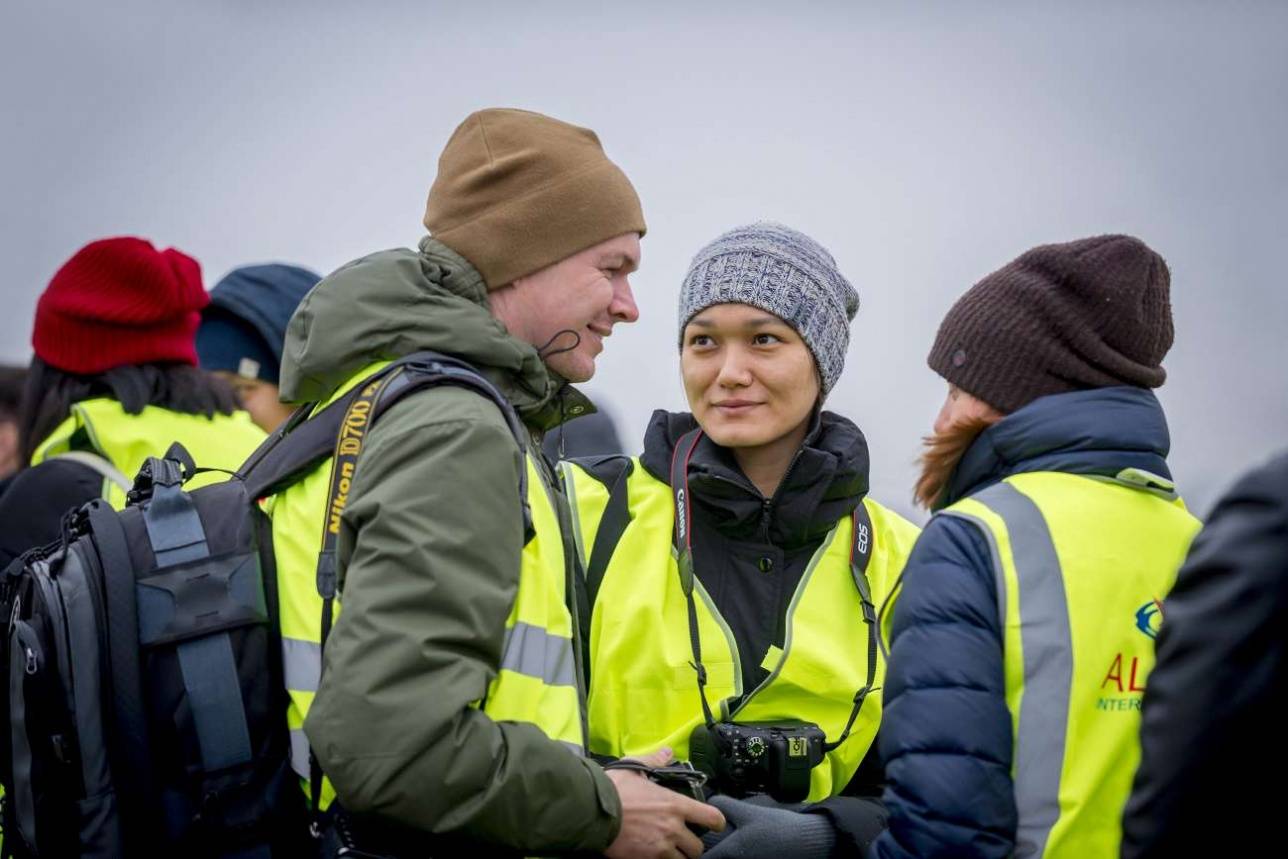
(592, 434)
(1213, 712)
(113, 381)
(242, 331)
(1024, 631)
(774, 611)
(12, 380)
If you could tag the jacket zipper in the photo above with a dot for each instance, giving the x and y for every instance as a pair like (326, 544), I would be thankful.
(767, 507)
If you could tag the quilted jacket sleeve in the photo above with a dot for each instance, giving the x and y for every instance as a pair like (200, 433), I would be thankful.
(946, 732)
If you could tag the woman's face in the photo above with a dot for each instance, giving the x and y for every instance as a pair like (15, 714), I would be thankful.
(259, 398)
(749, 376)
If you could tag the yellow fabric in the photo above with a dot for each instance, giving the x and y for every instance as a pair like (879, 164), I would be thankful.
(297, 516)
(1119, 549)
(643, 691)
(126, 440)
(541, 602)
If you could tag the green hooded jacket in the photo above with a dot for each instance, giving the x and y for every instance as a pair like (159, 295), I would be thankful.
(429, 556)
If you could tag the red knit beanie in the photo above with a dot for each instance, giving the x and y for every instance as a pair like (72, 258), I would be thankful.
(120, 301)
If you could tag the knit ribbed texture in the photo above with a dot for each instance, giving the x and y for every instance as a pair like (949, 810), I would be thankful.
(517, 191)
(759, 826)
(243, 329)
(1091, 313)
(117, 302)
(783, 272)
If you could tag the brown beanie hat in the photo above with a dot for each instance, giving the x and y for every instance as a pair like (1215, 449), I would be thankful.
(517, 191)
(1092, 313)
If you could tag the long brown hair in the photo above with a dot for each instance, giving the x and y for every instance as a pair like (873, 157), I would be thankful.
(943, 450)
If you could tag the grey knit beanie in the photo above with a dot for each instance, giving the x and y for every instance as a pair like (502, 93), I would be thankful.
(783, 272)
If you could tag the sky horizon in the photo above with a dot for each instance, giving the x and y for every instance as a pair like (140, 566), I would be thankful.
(924, 145)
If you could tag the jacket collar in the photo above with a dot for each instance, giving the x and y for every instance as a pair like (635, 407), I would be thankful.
(393, 303)
(826, 482)
(1097, 432)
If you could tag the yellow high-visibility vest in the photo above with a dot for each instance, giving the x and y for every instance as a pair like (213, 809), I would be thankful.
(126, 440)
(643, 692)
(536, 681)
(1082, 567)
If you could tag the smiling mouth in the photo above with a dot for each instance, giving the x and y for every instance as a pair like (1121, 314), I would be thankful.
(736, 407)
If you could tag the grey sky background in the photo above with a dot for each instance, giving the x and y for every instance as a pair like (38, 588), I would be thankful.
(925, 144)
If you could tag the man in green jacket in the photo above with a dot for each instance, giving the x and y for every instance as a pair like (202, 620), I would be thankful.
(450, 704)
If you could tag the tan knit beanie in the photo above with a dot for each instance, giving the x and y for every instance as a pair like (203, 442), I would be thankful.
(517, 191)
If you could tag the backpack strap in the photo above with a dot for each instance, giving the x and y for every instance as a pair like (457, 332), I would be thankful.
(292, 450)
(100, 464)
(207, 664)
(613, 472)
(132, 745)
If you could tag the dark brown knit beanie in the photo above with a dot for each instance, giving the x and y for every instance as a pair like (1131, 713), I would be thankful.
(517, 191)
(1092, 313)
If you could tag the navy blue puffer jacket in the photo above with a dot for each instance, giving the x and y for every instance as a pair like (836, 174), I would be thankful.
(946, 732)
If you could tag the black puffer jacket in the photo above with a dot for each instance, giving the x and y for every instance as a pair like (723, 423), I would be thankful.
(1213, 745)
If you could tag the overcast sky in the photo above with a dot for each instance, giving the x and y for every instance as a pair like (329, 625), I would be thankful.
(925, 144)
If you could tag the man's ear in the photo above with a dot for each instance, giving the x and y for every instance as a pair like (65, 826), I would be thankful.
(502, 304)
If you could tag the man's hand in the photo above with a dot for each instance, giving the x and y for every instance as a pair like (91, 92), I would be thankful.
(655, 820)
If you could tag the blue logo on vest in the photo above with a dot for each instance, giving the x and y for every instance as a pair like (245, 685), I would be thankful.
(1149, 618)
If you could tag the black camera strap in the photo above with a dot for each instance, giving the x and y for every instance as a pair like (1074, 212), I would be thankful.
(861, 540)
(349, 441)
(861, 545)
(684, 552)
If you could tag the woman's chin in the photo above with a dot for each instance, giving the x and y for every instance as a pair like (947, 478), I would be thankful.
(735, 436)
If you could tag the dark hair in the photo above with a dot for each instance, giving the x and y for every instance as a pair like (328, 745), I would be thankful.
(12, 381)
(50, 394)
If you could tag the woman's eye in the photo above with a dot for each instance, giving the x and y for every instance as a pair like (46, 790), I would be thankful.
(766, 339)
(699, 340)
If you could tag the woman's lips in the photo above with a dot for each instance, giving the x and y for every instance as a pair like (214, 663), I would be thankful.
(736, 407)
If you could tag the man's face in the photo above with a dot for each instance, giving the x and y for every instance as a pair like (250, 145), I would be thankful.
(585, 294)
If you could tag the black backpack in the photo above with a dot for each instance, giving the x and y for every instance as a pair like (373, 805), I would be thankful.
(142, 665)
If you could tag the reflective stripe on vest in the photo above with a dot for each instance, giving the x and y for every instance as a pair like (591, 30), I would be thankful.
(1076, 560)
(535, 682)
(643, 691)
(126, 440)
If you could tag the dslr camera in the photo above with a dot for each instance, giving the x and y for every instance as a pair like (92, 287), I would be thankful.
(747, 758)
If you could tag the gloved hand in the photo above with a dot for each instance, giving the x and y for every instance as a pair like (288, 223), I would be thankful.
(760, 828)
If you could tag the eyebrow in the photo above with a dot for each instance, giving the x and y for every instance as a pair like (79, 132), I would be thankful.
(620, 259)
(758, 322)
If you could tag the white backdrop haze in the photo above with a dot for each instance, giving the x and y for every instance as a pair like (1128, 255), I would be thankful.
(925, 144)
